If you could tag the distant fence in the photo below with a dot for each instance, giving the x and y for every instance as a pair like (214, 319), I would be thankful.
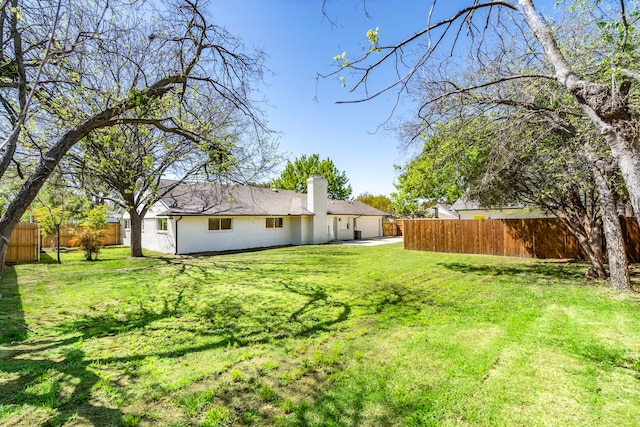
(527, 238)
(392, 228)
(112, 236)
(25, 247)
(23, 244)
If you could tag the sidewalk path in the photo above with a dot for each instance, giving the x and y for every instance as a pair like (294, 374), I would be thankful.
(369, 242)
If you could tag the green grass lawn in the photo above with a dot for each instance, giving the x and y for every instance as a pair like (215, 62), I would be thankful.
(315, 336)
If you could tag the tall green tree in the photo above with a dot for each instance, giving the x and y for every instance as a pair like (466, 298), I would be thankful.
(295, 175)
(380, 201)
(528, 162)
(452, 156)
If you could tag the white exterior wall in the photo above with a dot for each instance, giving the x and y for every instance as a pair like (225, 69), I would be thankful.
(152, 238)
(342, 227)
(301, 230)
(158, 240)
(246, 232)
(125, 234)
(371, 226)
(501, 214)
(443, 213)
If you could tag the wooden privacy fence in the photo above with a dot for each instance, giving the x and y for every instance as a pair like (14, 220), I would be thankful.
(527, 238)
(112, 236)
(23, 244)
(392, 228)
(26, 240)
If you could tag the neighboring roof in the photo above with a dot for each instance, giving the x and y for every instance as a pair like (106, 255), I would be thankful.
(466, 204)
(445, 210)
(243, 200)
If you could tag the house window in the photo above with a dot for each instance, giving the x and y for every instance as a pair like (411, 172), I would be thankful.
(219, 223)
(127, 224)
(274, 223)
(162, 224)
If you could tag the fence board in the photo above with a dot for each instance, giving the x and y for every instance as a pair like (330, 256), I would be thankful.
(112, 236)
(525, 238)
(23, 243)
(631, 234)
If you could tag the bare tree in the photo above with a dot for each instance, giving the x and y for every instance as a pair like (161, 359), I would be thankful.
(110, 62)
(511, 45)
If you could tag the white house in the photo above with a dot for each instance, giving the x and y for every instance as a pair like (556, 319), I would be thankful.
(470, 209)
(204, 217)
(443, 211)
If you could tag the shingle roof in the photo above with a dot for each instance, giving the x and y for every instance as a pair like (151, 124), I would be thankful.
(241, 200)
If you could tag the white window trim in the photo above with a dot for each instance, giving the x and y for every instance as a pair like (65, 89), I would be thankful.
(160, 230)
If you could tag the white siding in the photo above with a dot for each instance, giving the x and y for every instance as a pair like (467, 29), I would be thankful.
(301, 230)
(125, 235)
(501, 214)
(342, 227)
(371, 226)
(152, 238)
(246, 232)
(158, 240)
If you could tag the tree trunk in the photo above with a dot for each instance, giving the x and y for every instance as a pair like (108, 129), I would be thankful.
(4, 245)
(58, 242)
(628, 159)
(136, 233)
(48, 162)
(589, 237)
(616, 252)
(607, 110)
(50, 159)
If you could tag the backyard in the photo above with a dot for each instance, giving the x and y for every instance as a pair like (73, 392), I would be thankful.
(315, 336)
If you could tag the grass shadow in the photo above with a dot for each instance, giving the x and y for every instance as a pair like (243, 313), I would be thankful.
(111, 323)
(43, 383)
(13, 326)
(557, 271)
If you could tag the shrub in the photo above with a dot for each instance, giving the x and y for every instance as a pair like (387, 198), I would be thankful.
(90, 241)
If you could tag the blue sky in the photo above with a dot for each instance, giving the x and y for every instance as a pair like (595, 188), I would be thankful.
(300, 42)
